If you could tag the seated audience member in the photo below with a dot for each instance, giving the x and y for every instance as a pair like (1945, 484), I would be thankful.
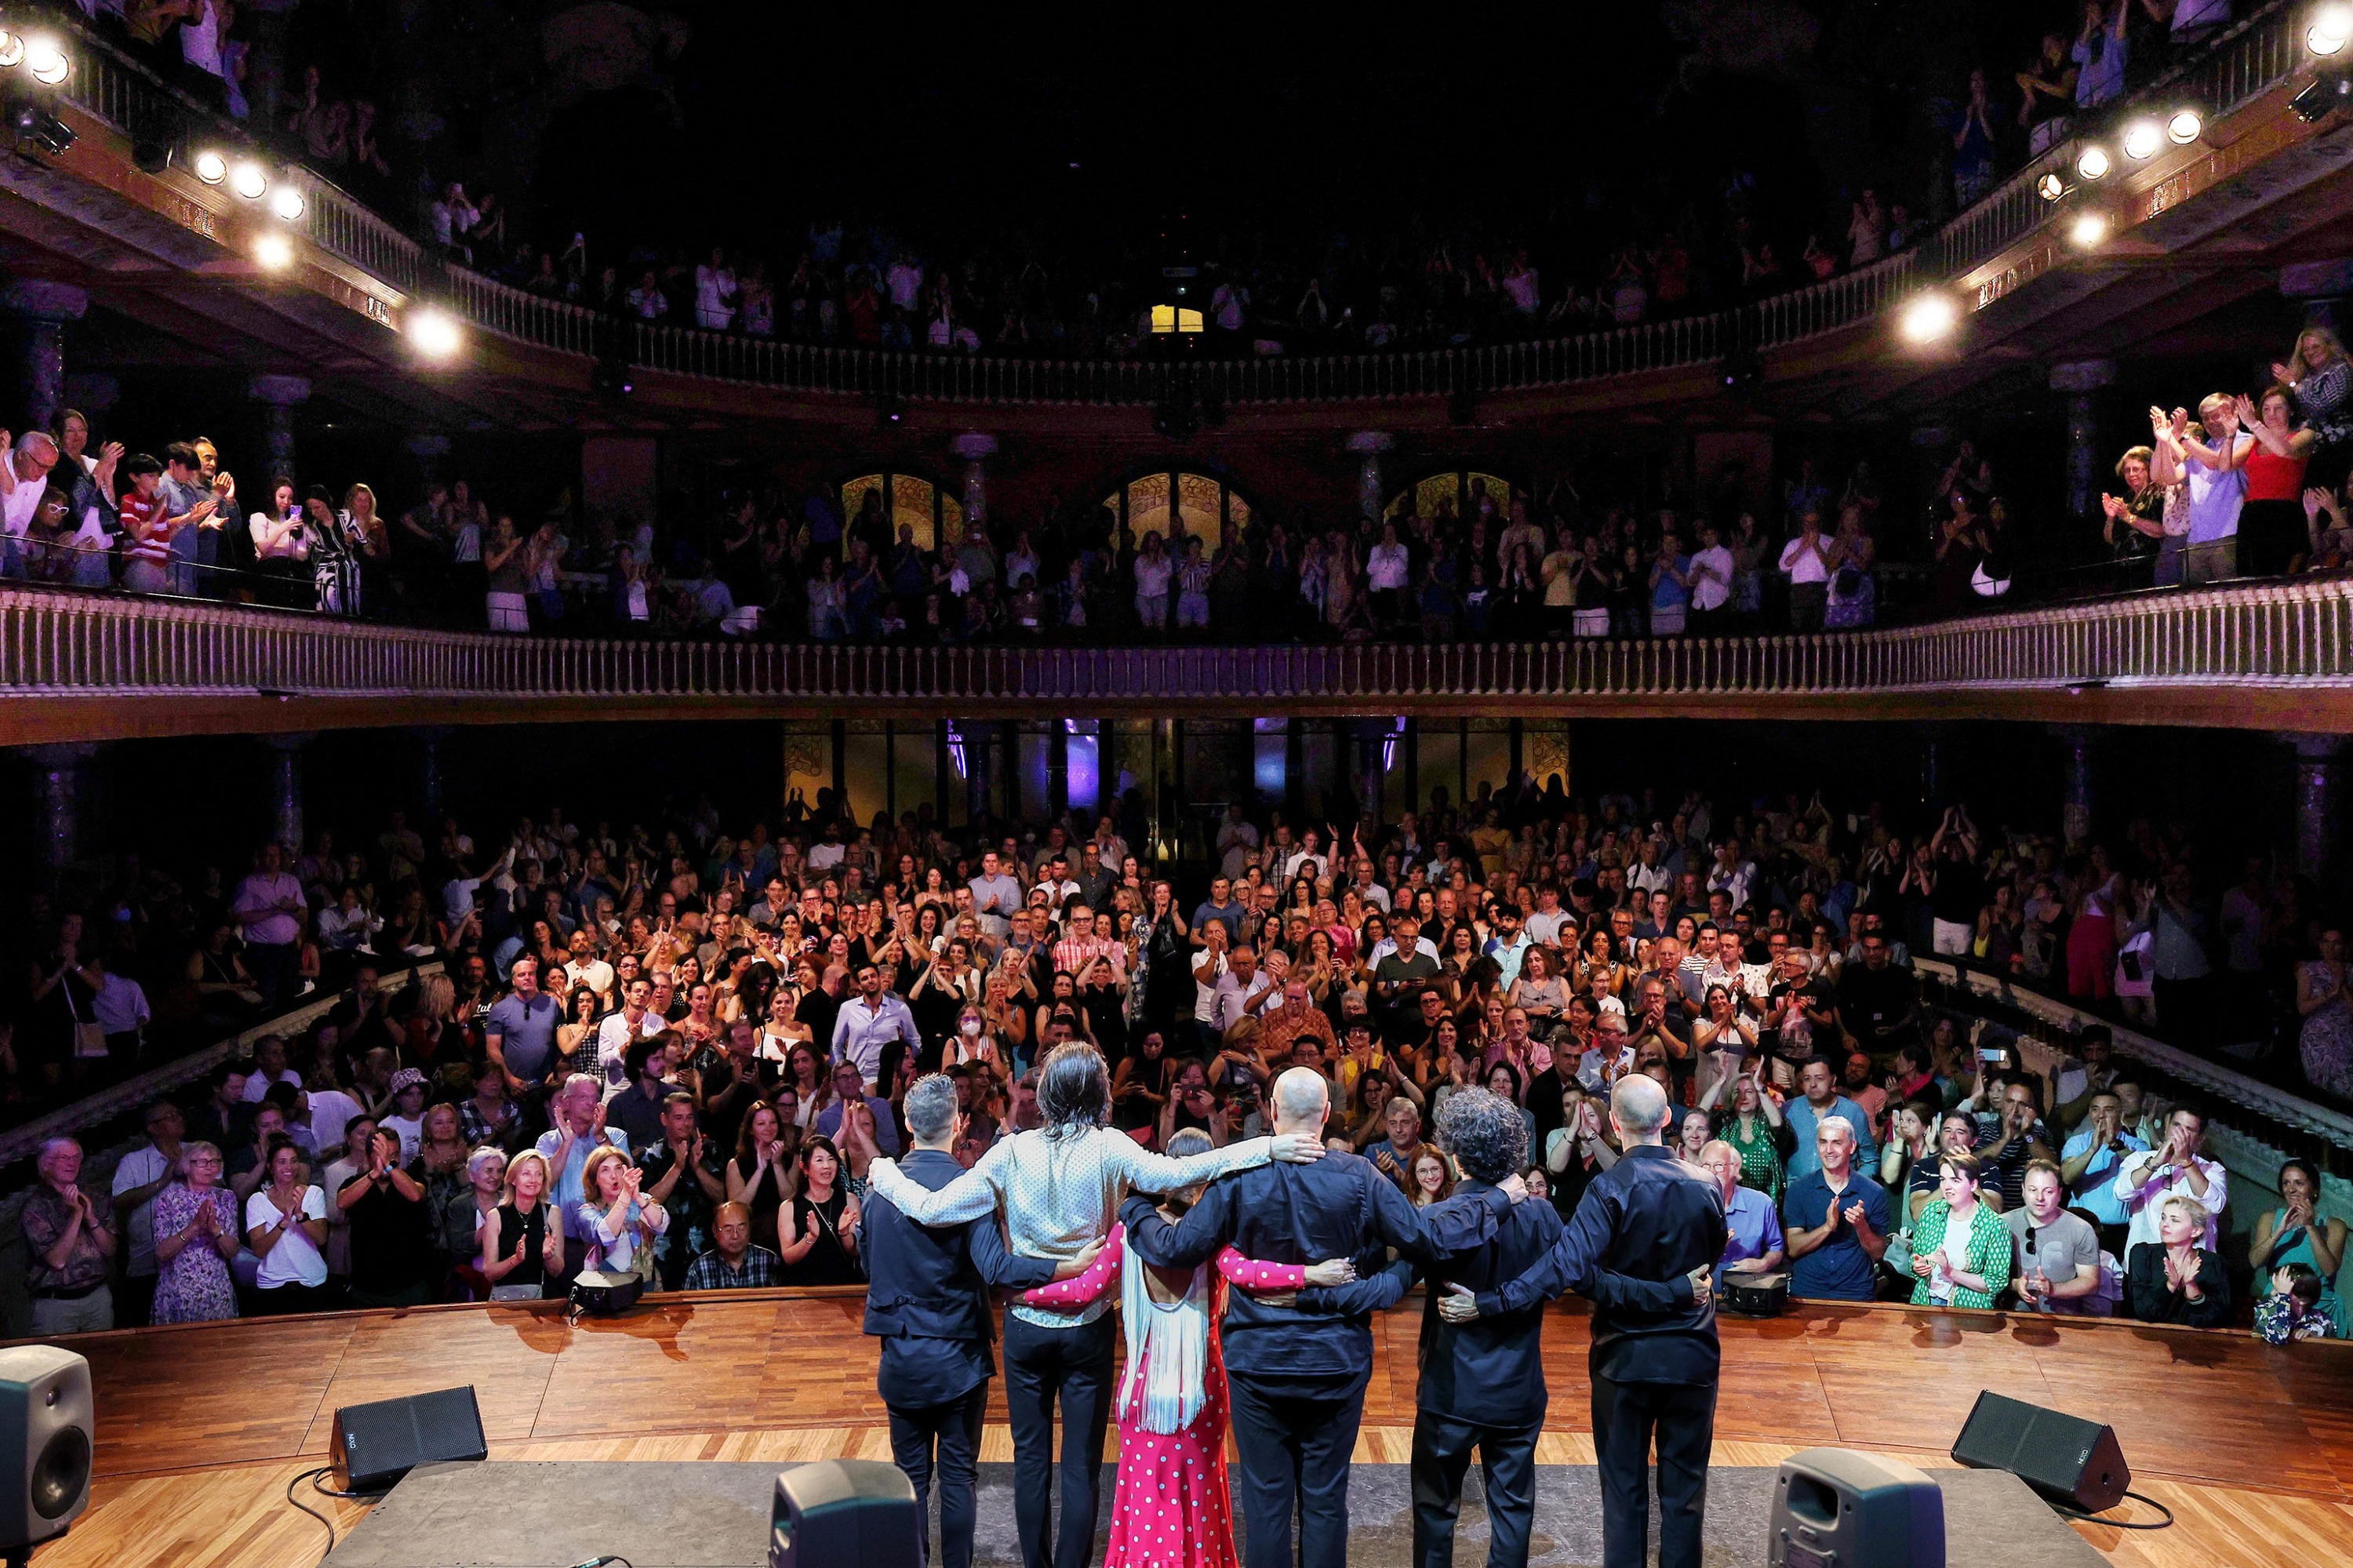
(2089, 1162)
(68, 1244)
(1960, 1249)
(2292, 1311)
(391, 1228)
(1753, 1243)
(1835, 1220)
(621, 1224)
(195, 1235)
(2175, 1169)
(734, 1263)
(522, 1253)
(2054, 1256)
(286, 1227)
(463, 1217)
(2176, 1278)
(2293, 1236)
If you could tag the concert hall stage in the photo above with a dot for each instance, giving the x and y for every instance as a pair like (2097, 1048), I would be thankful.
(201, 1427)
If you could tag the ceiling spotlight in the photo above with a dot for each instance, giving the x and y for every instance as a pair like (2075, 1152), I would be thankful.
(211, 167)
(2331, 26)
(45, 60)
(2092, 163)
(274, 251)
(286, 203)
(2088, 229)
(2183, 126)
(12, 50)
(2142, 139)
(1929, 318)
(433, 332)
(2051, 186)
(247, 180)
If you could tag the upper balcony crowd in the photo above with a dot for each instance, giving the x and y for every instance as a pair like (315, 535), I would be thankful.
(2244, 484)
(1603, 258)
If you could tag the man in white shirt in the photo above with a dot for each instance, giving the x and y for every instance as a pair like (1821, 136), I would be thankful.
(1545, 922)
(870, 1021)
(1241, 991)
(585, 968)
(1711, 580)
(1806, 562)
(621, 1030)
(2145, 1180)
(269, 909)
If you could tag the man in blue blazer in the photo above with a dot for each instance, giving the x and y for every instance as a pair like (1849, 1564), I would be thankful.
(927, 1300)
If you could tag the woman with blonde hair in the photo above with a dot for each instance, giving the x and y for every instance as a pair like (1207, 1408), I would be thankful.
(522, 1243)
(2317, 375)
(367, 544)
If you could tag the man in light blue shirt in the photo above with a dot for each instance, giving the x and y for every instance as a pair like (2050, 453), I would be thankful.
(1509, 945)
(995, 896)
(1821, 1103)
(2089, 1162)
(870, 1021)
(578, 1114)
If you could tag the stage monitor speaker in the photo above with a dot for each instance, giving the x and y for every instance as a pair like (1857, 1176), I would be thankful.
(374, 1444)
(1833, 1507)
(844, 1513)
(2067, 1459)
(45, 1424)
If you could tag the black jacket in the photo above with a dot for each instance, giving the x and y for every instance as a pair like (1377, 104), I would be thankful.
(1338, 1206)
(1648, 1220)
(2153, 1300)
(927, 1290)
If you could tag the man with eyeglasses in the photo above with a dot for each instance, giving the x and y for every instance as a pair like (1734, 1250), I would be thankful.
(143, 1173)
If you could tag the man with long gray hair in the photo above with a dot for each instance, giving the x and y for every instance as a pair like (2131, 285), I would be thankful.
(925, 1300)
(1649, 1218)
(1059, 1187)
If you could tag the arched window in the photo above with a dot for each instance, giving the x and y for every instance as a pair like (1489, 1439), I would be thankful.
(907, 499)
(1202, 504)
(1459, 490)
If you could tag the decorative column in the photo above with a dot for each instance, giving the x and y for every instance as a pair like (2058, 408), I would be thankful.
(45, 307)
(1368, 446)
(428, 757)
(431, 451)
(1932, 765)
(2322, 288)
(2075, 774)
(2320, 774)
(61, 784)
(1932, 440)
(281, 395)
(976, 449)
(286, 791)
(2081, 380)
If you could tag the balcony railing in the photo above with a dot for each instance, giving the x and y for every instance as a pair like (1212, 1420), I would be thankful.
(2241, 64)
(2289, 636)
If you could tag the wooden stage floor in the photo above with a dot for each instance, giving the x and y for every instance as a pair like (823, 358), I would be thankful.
(201, 1427)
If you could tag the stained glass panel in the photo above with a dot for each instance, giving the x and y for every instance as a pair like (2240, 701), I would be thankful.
(1197, 504)
(911, 507)
(1147, 506)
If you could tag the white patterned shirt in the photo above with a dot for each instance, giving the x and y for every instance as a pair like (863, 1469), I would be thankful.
(1060, 1194)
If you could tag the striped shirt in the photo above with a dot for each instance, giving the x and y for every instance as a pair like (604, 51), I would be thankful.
(1060, 1192)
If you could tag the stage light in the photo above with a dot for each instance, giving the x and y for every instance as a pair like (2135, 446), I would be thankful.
(274, 251)
(286, 203)
(45, 60)
(2330, 27)
(2051, 186)
(2088, 229)
(433, 332)
(2092, 163)
(2184, 126)
(211, 167)
(1929, 318)
(2142, 139)
(247, 180)
(12, 50)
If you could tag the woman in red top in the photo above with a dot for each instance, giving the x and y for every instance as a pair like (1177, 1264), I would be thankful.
(2271, 525)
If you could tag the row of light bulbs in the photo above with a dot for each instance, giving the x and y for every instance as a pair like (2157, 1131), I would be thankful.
(2329, 29)
(2143, 140)
(42, 58)
(433, 333)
